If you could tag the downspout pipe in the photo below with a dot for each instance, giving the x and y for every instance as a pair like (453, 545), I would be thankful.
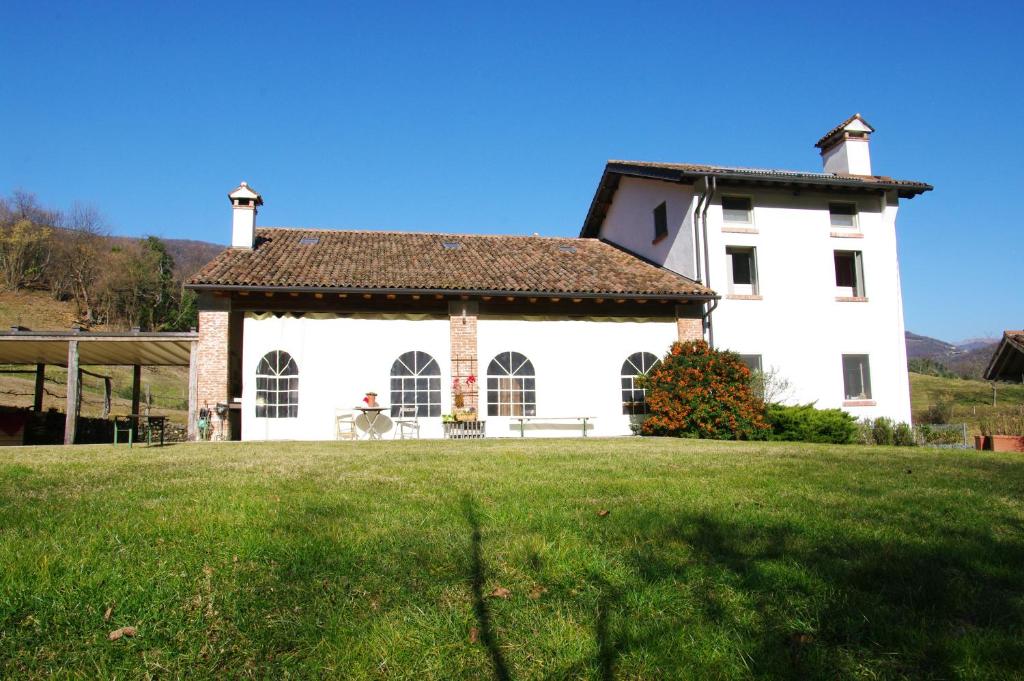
(696, 231)
(707, 258)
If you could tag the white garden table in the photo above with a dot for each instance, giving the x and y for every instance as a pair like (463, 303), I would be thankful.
(372, 414)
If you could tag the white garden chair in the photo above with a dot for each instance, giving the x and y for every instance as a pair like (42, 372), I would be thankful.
(407, 421)
(345, 425)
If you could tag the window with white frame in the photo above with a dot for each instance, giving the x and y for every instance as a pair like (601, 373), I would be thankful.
(753, 362)
(842, 214)
(511, 386)
(634, 398)
(856, 377)
(416, 382)
(737, 209)
(849, 274)
(742, 264)
(661, 221)
(277, 386)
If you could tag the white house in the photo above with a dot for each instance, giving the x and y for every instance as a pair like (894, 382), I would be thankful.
(797, 271)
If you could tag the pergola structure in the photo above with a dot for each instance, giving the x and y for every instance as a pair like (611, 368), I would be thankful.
(72, 349)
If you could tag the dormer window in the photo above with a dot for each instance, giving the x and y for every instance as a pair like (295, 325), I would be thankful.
(737, 209)
(660, 222)
(842, 214)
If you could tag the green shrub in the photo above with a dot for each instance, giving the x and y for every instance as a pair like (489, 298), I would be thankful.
(882, 431)
(903, 435)
(698, 391)
(938, 413)
(805, 423)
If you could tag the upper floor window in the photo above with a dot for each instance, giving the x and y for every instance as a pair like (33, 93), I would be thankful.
(742, 264)
(737, 209)
(856, 377)
(661, 221)
(277, 386)
(842, 214)
(634, 398)
(753, 362)
(511, 386)
(416, 382)
(849, 273)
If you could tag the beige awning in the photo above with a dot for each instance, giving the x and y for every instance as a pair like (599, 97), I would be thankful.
(118, 349)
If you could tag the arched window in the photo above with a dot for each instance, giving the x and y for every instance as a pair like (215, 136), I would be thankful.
(416, 382)
(634, 399)
(511, 386)
(277, 386)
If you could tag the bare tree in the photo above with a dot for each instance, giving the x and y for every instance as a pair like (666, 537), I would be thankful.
(770, 386)
(80, 254)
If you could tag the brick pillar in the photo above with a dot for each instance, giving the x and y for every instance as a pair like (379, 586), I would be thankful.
(462, 318)
(689, 323)
(212, 354)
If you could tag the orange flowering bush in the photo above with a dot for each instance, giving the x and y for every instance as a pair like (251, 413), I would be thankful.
(698, 391)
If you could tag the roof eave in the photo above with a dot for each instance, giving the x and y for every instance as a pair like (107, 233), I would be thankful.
(688, 176)
(230, 288)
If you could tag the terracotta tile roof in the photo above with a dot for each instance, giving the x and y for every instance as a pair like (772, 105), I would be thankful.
(1007, 363)
(407, 261)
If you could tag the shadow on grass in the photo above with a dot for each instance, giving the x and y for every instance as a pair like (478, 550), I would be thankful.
(817, 609)
(478, 578)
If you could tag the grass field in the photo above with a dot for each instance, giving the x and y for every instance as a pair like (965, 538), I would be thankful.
(971, 400)
(389, 560)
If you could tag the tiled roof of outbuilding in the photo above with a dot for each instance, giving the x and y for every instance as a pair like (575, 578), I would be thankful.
(1007, 363)
(409, 261)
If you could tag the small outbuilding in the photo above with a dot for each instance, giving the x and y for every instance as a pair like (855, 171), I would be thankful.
(1007, 362)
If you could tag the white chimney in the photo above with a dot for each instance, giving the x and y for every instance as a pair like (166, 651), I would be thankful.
(844, 148)
(244, 202)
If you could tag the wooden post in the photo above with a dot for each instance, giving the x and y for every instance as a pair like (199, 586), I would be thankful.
(40, 382)
(71, 409)
(136, 386)
(193, 391)
(107, 390)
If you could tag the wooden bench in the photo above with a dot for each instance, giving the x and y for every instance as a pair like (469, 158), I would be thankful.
(523, 420)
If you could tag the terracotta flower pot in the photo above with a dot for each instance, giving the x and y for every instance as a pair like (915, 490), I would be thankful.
(981, 442)
(1007, 443)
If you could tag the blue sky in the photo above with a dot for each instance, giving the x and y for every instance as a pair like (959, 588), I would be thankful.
(471, 117)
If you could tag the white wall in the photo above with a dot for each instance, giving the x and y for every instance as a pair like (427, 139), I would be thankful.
(577, 362)
(578, 365)
(798, 326)
(630, 222)
(339, 359)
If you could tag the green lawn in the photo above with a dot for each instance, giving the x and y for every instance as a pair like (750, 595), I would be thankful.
(378, 560)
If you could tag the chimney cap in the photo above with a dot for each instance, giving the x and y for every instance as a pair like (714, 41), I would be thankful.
(244, 191)
(854, 124)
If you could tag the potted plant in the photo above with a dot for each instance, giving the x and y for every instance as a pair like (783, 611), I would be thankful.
(1004, 433)
(370, 400)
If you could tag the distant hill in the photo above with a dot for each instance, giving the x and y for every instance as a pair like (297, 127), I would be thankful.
(967, 359)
